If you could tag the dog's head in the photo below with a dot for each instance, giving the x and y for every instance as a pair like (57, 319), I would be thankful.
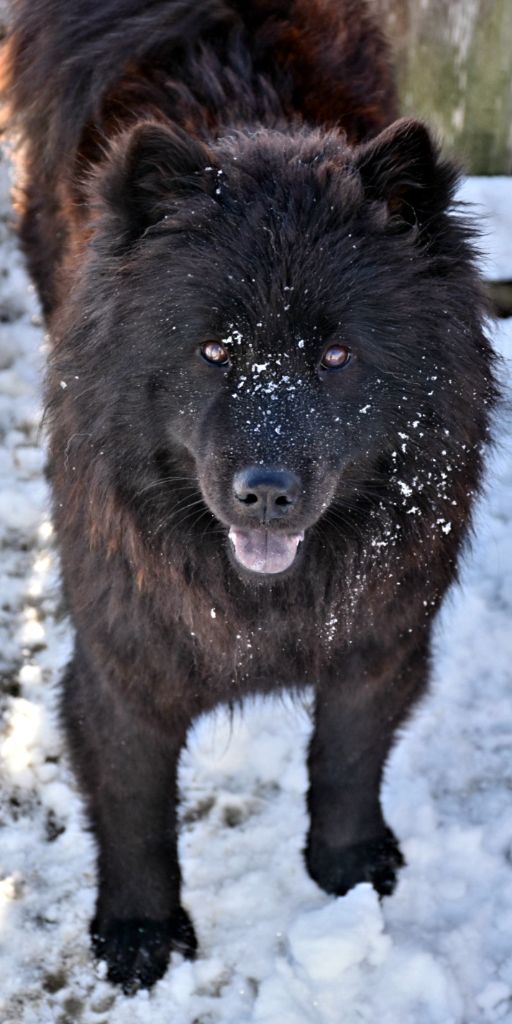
(276, 317)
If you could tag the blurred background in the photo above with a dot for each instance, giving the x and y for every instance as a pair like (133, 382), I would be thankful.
(453, 62)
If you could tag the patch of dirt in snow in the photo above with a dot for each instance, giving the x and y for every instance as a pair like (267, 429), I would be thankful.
(273, 947)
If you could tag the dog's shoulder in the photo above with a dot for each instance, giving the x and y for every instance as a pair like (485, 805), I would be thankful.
(325, 61)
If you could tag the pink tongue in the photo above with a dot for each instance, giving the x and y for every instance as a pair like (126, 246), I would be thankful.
(264, 551)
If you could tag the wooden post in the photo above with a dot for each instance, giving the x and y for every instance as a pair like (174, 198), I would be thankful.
(454, 62)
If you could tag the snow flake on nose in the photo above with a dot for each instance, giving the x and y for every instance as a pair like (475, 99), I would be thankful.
(271, 376)
(405, 489)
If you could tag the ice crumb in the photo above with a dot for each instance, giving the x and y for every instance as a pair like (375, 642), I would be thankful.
(345, 932)
(405, 489)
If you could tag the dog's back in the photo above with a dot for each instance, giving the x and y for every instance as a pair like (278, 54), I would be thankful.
(76, 74)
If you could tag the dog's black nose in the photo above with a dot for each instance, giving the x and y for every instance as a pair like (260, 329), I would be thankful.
(266, 493)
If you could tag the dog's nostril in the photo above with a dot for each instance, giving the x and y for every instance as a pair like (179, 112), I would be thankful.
(268, 492)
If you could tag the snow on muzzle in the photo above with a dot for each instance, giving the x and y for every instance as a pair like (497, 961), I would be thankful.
(264, 551)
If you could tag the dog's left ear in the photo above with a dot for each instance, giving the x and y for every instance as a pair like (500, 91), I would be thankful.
(149, 167)
(403, 168)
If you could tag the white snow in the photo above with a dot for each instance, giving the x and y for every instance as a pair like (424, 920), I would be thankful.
(274, 948)
(338, 936)
(491, 200)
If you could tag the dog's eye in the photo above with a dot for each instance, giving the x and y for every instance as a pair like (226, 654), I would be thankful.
(335, 356)
(215, 353)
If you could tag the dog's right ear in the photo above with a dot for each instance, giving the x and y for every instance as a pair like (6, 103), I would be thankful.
(149, 167)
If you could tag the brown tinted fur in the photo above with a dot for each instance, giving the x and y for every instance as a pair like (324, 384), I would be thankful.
(327, 61)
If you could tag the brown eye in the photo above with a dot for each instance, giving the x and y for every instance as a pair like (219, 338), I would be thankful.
(215, 353)
(335, 356)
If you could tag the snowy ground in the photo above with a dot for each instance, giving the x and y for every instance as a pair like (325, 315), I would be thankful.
(274, 949)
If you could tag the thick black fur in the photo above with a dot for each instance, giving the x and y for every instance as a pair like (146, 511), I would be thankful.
(229, 171)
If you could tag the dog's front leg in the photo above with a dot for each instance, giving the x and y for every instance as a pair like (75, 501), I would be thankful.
(356, 717)
(127, 767)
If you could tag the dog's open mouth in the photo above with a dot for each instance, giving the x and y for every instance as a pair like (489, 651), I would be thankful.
(264, 551)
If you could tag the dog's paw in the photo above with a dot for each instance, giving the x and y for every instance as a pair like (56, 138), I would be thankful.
(137, 950)
(375, 860)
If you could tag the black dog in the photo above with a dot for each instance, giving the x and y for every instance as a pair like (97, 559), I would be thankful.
(268, 394)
